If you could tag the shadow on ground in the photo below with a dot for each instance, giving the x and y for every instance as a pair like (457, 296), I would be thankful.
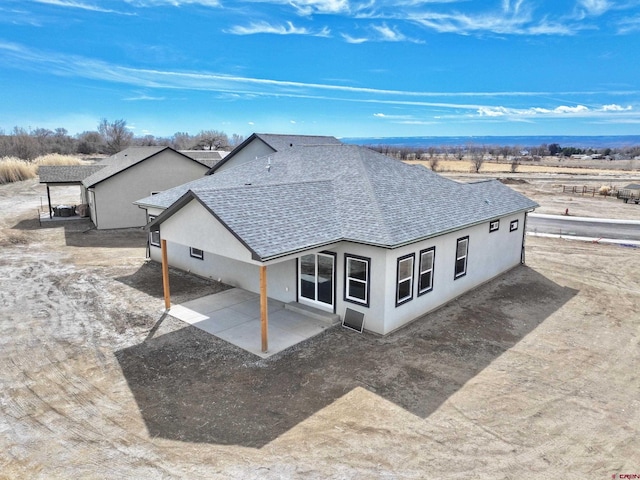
(182, 285)
(82, 233)
(193, 387)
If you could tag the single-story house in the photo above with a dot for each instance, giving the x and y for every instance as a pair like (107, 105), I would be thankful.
(263, 144)
(630, 193)
(111, 186)
(339, 227)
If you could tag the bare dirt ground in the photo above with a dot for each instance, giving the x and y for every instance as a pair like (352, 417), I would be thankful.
(533, 375)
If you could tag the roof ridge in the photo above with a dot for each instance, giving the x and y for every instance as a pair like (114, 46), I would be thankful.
(371, 192)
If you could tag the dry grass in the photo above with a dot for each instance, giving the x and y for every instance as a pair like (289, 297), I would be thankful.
(55, 159)
(13, 169)
(464, 166)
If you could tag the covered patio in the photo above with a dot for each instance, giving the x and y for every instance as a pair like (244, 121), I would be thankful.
(234, 315)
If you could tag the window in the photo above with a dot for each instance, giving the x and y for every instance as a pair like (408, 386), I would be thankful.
(461, 257)
(154, 236)
(356, 284)
(513, 226)
(404, 282)
(196, 253)
(425, 275)
(494, 226)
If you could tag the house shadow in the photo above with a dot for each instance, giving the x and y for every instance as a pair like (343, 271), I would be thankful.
(193, 387)
(183, 286)
(80, 232)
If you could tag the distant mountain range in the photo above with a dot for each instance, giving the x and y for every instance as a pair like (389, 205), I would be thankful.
(612, 141)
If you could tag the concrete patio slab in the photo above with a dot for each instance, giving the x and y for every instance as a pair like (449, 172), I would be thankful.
(234, 316)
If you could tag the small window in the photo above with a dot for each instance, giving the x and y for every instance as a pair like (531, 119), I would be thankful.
(461, 257)
(425, 276)
(404, 279)
(356, 285)
(154, 236)
(196, 253)
(513, 226)
(494, 226)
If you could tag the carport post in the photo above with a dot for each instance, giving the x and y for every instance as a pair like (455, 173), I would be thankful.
(264, 320)
(165, 275)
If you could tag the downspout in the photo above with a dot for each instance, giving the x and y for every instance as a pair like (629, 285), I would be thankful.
(524, 235)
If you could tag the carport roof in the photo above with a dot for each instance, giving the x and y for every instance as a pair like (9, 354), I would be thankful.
(311, 196)
(52, 174)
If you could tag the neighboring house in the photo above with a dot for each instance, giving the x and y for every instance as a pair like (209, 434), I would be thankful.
(342, 227)
(131, 174)
(263, 144)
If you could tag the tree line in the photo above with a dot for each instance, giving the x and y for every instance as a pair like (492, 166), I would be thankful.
(109, 137)
(497, 152)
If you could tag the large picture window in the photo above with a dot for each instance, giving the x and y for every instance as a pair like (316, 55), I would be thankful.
(154, 236)
(357, 278)
(425, 275)
(404, 279)
(462, 250)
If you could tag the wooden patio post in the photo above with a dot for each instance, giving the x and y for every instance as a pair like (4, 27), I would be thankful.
(165, 276)
(264, 320)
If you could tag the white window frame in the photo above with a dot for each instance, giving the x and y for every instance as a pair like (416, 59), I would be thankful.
(153, 234)
(513, 226)
(348, 258)
(421, 270)
(196, 253)
(408, 278)
(494, 225)
(461, 257)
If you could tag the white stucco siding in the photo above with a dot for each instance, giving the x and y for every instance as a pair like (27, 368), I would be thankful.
(255, 149)
(489, 255)
(114, 196)
(194, 226)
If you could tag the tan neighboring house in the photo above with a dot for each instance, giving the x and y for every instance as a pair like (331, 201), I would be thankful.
(111, 186)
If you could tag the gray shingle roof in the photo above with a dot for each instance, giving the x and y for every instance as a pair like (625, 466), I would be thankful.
(278, 143)
(124, 160)
(66, 173)
(315, 195)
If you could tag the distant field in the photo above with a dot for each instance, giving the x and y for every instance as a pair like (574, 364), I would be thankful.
(547, 165)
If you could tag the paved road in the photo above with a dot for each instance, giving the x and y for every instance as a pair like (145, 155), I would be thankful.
(596, 228)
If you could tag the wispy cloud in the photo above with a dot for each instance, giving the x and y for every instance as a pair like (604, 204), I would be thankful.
(594, 7)
(143, 97)
(173, 3)
(18, 56)
(288, 29)
(81, 6)
(629, 25)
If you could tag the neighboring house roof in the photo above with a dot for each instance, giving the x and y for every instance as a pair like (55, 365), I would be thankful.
(306, 197)
(208, 157)
(66, 173)
(126, 159)
(632, 186)
(279, 143)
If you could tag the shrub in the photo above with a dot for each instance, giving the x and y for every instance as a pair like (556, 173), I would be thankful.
(13, 169)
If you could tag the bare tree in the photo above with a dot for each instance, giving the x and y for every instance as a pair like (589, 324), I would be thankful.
(23, 145)
(182, 141)
(88, 143)
(515, 163)
(477, 157)
(212, 139)
(116, 135)
(236, 140)
(433, 163)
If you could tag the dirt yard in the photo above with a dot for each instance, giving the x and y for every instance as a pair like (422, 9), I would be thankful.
(533, 375)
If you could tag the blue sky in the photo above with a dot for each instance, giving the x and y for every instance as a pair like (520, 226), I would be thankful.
(328, 67)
